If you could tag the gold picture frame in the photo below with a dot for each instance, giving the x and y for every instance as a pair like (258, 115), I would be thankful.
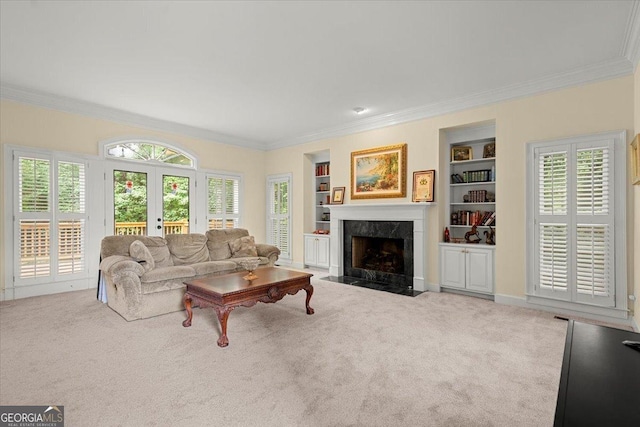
(635, 160)
(489, 151)
(337, 195)
(423, 186)
(461, 153)
(379, 172)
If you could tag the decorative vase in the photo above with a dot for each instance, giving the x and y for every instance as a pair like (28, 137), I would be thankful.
(250, 264)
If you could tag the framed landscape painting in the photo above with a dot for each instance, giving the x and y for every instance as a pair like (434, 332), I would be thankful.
(379, 172)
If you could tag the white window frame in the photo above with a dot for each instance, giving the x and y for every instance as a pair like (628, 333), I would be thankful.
(286, 257)
(106, 144)
(17, 287)
(618, 204)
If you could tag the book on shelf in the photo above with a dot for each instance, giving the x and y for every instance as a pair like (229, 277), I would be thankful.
(322, 169)
(456, 179)
(491, 219)
(470, 218)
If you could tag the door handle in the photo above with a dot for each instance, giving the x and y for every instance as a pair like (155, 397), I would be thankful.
(159, 219)
(159, 227)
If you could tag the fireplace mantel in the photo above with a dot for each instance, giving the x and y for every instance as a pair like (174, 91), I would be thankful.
(416, 212)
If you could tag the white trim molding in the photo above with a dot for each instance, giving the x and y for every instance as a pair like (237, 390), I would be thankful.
(620, 317)
(596, 72)
(382, 212)
(76, 106)
(631, 43)
(605, 70)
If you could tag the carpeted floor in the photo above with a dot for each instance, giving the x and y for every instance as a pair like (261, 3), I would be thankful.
(365, 358)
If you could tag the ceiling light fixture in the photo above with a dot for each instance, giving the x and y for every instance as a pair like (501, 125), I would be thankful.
(359, 110)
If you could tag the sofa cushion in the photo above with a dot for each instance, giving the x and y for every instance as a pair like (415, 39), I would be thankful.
(159, 251)
(142, 255)
(243, 247)
(175, 273)
(187, 249)
(218, 242)
(213, 267)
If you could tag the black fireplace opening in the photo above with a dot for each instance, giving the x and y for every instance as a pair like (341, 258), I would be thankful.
(380, 252)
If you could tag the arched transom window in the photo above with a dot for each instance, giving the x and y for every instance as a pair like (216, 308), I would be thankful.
(149, 151)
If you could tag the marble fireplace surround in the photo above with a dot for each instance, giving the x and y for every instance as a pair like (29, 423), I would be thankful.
(416, 212)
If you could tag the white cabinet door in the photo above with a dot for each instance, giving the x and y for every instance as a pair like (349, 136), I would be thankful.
(452, 266)
(479, 268)
(310, 250)
(466, 267)
(322, 252)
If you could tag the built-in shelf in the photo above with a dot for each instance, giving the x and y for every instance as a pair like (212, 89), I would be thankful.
(479, 195)
(322, 189)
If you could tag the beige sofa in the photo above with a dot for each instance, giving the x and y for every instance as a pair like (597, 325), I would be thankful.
(145, 279)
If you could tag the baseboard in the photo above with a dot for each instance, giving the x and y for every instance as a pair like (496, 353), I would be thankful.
(7, 294)
(522, 302)
(467, 293)
(634, 324)
(432, 287)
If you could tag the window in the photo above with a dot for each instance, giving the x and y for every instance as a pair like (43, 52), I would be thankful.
(576, 223)
(148, 151)
(223, 201)
(50, 217)
(279, 213)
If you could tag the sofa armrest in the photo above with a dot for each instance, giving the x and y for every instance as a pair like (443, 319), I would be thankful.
(117, 264)
(268, 251)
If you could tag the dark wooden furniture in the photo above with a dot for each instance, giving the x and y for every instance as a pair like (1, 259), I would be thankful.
(600, 380)
(224, 293)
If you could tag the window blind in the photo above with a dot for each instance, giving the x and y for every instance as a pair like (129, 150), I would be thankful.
(279, 218)
(223, 201)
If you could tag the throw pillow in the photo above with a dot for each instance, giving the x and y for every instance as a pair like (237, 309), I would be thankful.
(243, 247)
(142, 254)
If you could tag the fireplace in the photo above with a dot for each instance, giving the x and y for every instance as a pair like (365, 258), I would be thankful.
(394, 213)
(379, 251)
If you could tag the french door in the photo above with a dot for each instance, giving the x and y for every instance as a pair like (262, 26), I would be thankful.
(149, 200)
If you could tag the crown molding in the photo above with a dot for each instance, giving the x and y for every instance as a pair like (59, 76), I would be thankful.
(631, 43)
(601, 71)
(596, 72)
(75, 106)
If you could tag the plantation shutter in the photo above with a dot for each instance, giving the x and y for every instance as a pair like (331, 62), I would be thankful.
(223, 202)
(71, 217)
(279, 217)
(594, 224)
(553, 224)
(574, 223)
(34, 217)
(51, 240)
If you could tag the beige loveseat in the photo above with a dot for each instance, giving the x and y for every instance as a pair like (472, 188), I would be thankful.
(145, 278)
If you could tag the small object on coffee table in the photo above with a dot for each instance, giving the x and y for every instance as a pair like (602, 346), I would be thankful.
(250, 264)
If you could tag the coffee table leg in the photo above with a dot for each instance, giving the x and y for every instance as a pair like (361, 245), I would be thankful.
(187, 305)
(223, 316)
(309, 290)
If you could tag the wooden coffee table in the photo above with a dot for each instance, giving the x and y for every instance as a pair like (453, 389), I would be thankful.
(224, 293)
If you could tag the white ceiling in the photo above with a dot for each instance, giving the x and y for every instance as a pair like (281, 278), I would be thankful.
(271, 74)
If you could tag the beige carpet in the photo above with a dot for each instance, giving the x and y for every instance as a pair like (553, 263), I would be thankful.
(365, 358)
